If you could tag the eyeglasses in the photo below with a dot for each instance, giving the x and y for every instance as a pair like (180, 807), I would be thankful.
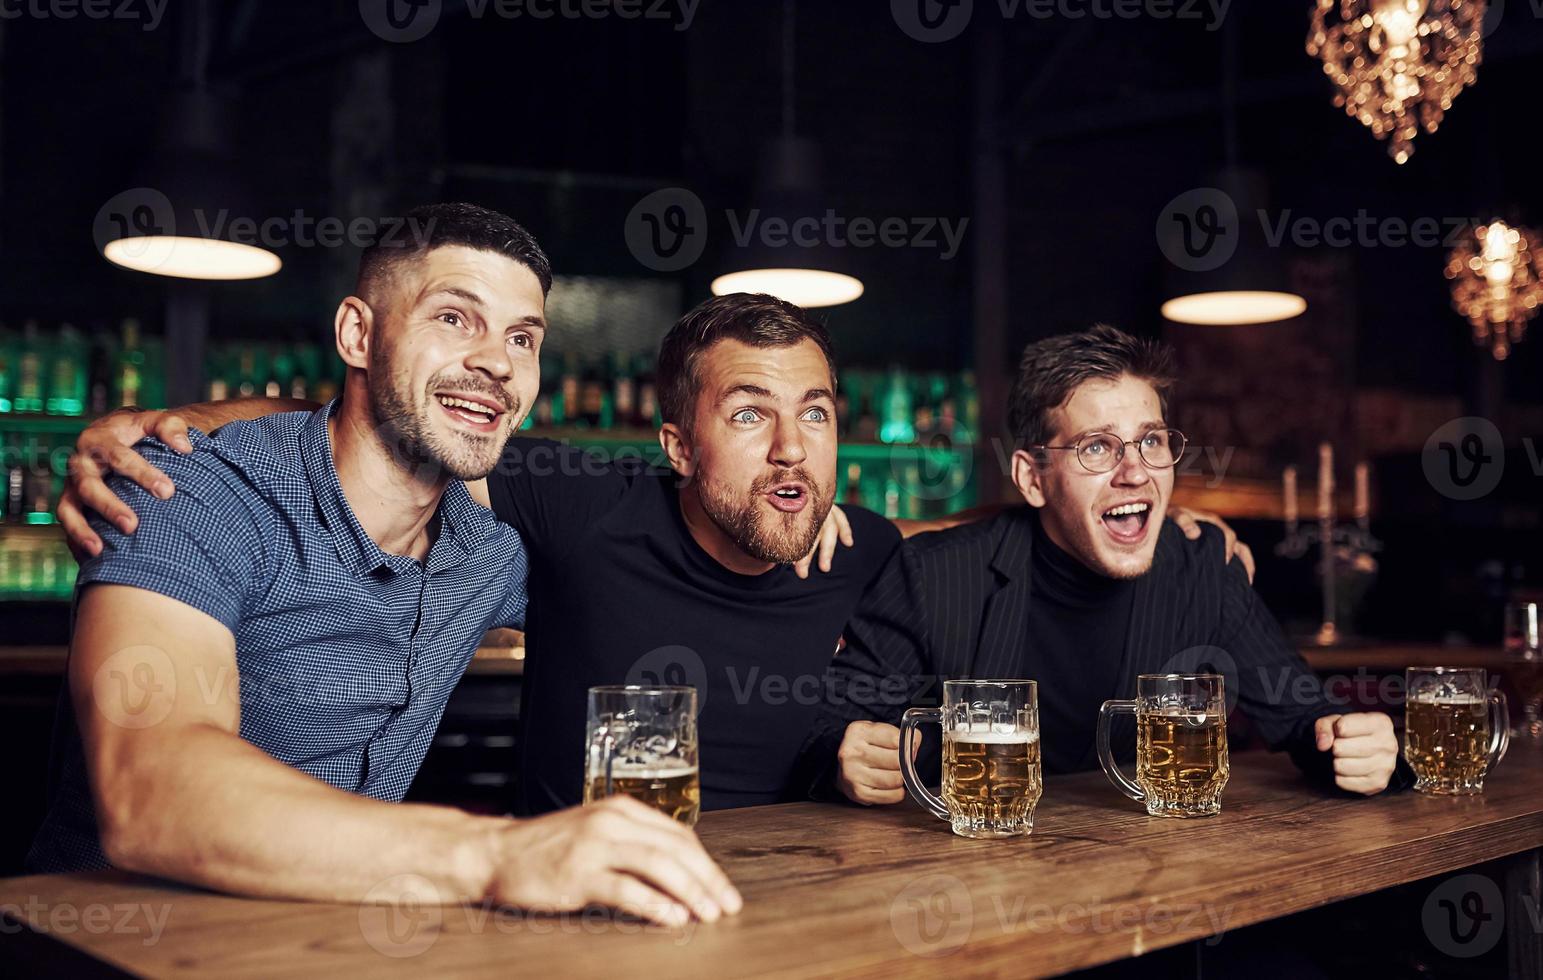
(1101, 452)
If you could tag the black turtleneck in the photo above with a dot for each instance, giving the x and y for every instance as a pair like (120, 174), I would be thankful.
(1078, 621)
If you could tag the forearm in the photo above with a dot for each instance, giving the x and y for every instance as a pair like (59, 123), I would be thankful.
(208, 416)
(213, 810)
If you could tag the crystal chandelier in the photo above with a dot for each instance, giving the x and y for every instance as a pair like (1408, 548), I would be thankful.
(1398, 64)
(1494, 272)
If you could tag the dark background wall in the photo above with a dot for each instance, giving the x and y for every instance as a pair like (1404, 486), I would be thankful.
(1094, 124)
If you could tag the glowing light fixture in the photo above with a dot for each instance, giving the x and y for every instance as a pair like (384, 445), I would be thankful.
(185, 257)
(789, 187)
(1234, 307)
(803, 287)
(1495, 283)
(1398, 64)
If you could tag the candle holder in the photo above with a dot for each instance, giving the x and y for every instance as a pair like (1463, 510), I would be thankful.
(1331, 537)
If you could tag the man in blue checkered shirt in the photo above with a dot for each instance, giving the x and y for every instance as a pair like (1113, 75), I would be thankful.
(256, 671)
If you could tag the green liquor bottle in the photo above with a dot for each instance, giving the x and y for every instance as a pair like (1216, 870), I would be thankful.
(67, 392)
(30, 370)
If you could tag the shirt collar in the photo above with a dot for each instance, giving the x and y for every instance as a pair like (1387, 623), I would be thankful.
(355, 548)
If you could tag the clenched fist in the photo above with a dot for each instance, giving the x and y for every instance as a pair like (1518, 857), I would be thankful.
(1365, 749)
(869, 761)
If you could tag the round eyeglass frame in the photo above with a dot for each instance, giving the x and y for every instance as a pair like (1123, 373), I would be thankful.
(1177, 442)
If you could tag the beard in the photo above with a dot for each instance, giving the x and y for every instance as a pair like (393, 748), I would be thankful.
(411, 437)
(777, 537)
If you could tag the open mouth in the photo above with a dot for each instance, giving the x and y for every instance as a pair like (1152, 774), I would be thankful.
(475, 413)
(1127, 523)
(789, 498)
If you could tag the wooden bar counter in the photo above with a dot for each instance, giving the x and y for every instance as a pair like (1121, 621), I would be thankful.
(843, 891)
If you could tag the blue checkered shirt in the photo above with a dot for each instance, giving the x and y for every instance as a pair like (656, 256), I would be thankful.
(346, 655)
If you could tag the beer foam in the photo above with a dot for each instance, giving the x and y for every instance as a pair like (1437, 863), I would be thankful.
(1448, 700)
(992, 738)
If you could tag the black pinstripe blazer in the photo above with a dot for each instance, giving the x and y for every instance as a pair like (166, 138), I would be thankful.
(954, 604)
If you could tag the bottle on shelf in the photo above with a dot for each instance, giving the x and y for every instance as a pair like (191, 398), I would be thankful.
(592, 395)
(854, 487)
(624, 392)
(99, 373)
(565, 407)
(15, 493)
(647, 414)
(30, 370)
(216, 366)
(330, 379)
(131, 367)
(307, 370)
(67, 388)
(898, 423)
(7, 370)
(281, 372)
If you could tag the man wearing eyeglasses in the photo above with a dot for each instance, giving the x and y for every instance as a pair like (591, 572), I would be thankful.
(1082, 590)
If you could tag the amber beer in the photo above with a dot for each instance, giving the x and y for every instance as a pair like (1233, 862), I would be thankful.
(1455, 729)
(675, 792)
(1181, 759)
(1447, 741)
(642, 743)
(991, 767)
(993, 779)
(1181, 744)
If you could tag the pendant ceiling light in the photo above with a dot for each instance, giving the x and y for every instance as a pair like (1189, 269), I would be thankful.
(184, 217)
(799, 267)
(1398, 64)
(1495, 272)
(1250, 284)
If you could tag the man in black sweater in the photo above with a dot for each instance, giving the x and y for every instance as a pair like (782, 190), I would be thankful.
(1082, 590)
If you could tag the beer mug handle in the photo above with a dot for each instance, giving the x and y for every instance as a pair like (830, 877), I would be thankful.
(1499, 729)
(913, 783)
(606, 743)
(1106, 751)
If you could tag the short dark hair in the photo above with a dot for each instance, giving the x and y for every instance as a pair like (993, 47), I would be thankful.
(437, 225)
(756, 319)
(1053, 368)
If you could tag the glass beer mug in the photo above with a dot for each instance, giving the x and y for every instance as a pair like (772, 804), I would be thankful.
(1455, 728)
(1181, 744)
(643, 744)
(991, 766)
